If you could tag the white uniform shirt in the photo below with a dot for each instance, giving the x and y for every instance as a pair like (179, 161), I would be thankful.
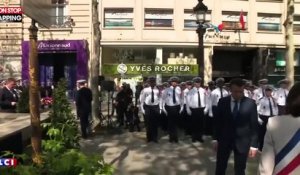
(185, 92)
(216, 95)
(208, 103)
(258, 94)
(192, 98)
(247, 93)
(264, 106)
(280, 96)
(167, 96)
(147, 95)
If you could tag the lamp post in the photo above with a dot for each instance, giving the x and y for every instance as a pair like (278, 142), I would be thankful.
(200, 10)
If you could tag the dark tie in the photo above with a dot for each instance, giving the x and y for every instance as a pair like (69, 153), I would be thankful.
(263, 92)
(174, 97)
(199, 100)
(270, 106)
(152, 96)
(221, 92)
(235, 110)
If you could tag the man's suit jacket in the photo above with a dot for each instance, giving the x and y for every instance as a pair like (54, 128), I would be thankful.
(240, 132)
(6, 97)
(84, 101)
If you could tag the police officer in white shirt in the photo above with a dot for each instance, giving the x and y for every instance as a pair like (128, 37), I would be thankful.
(195, 105)
(151, 109)
(247, 92)
(280, 96)
(208, 120)
(260, 92)
(267, 107)
(186, 120)
(171, 104)
(218, 93)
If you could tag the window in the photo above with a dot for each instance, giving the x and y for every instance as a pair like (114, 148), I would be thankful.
(190, 18)
(297, 23)
(118, 18)
(59, 13)
(231, 20)
(158, 18)
(268, 22)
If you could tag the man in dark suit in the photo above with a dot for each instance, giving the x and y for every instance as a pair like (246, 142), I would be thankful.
(84, 106)
(236, 129)
(9, 96)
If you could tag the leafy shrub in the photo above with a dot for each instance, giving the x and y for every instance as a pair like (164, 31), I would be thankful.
(61, 154)
(23, 103)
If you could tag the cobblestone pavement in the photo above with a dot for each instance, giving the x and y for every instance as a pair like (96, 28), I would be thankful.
(131, 155)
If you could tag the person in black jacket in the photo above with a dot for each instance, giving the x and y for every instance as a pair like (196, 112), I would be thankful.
(9, 96)
(84, 106)
(236, 129)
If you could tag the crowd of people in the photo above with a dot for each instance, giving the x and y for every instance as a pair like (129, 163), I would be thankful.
(234, 114)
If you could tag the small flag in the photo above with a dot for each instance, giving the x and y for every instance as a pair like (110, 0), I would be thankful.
(242, 21)
(220, 27)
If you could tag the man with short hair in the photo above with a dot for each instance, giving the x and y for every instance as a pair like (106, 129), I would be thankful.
(150, 101)
(236, 130)
(8, 96)
(84, 106)
(171, 105)
(280, 95)
(196, 101)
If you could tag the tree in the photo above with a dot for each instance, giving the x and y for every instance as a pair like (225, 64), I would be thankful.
(34, 102)
(95, 60)
(290, 48)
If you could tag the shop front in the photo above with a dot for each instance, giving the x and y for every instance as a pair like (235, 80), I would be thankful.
(58, 59)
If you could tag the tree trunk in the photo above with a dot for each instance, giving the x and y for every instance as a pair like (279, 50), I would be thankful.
(34, 102)
(95, 61)
(290, 48)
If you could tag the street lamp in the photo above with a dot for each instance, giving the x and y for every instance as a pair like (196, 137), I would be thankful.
(200, 11)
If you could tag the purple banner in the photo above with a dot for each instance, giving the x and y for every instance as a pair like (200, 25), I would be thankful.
(78, 46)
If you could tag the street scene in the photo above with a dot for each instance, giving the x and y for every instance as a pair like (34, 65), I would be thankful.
(126, 87)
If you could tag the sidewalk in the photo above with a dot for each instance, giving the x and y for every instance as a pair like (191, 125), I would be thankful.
(131, 155)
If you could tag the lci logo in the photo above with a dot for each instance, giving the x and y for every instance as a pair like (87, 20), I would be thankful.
(8, 162)
(122, 68)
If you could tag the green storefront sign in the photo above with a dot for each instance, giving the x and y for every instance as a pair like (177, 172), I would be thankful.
(149, 69)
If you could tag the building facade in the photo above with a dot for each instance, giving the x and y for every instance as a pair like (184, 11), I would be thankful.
(142, 31)
(63, 49)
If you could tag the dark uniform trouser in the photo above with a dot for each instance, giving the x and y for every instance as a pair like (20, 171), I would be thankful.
(262, 130)
(281, 110)
(173, 117)
(197, 123)
(84, 122)
(121, 112)
(223, 153)
(151, 117)
(214, 121)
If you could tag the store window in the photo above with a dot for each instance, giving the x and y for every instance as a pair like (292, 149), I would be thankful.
(59, 13)
(297, 23)
(190, 18)
(232, 20)
(118, 18)
(130, 55)
(158, 18)
(269, 22)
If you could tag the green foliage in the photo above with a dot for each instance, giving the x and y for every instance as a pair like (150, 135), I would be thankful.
(61, 154)
(23, 103)
(63, 126)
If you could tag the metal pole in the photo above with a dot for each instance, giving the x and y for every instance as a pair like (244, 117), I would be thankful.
(34, 102)
(200, 61)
